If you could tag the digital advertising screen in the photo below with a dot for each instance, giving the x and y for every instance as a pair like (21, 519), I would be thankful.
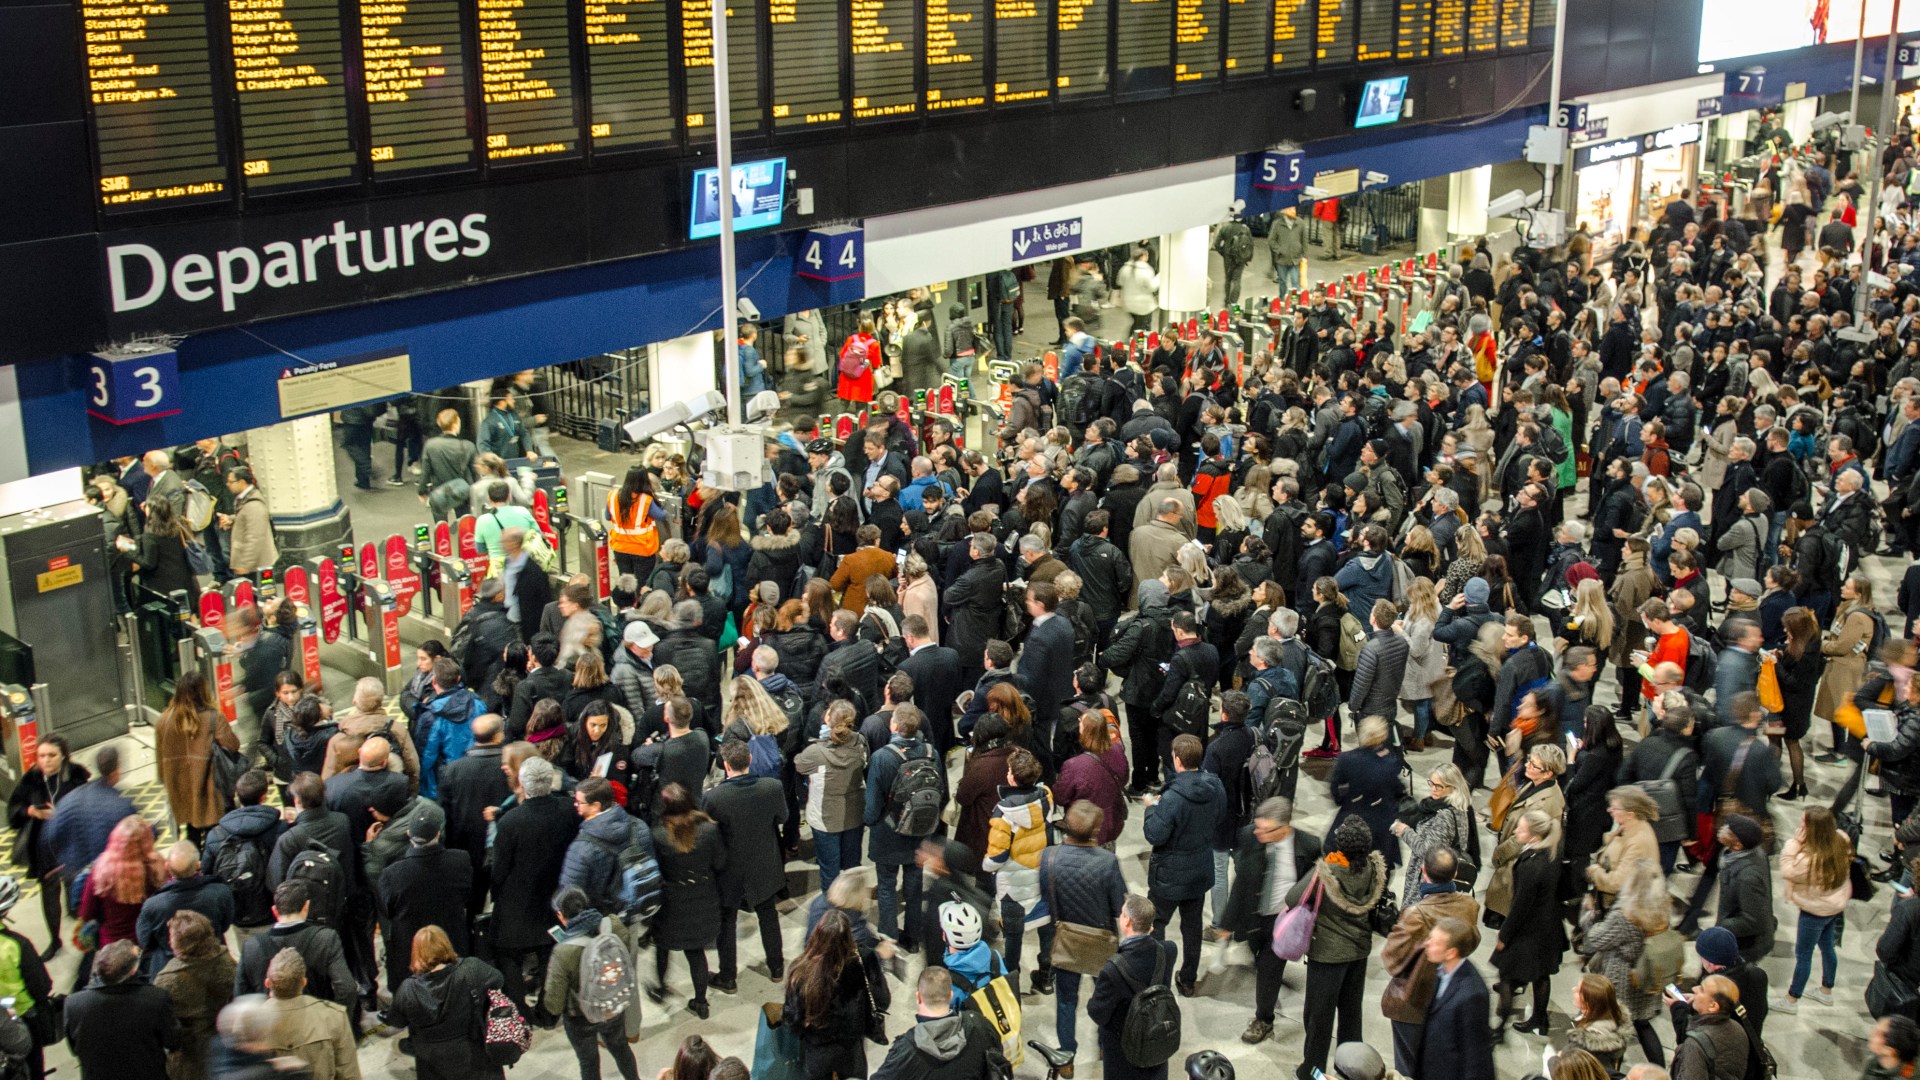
(1733, 28)
(758, 195)
(1380, 101)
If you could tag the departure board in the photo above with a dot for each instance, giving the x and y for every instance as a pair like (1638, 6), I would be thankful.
(1411, 40)
(1516, 23)
(1449, 28)
(1196, 43)
(1334, 33)
(804, 37)
(289, 81)
(150, 82)
(1375, 34)
(1483, 25)
(413, 54)
(956, 54)
(1080, 30)
(1020, 69)
(743, 68)
(881, 32)
(526, 79)
(1249, 30)
(631, 103)
(1143, 45)
(1292, 34)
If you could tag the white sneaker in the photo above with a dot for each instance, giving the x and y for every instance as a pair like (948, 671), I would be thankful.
(1820, 996)
(1785, 1005)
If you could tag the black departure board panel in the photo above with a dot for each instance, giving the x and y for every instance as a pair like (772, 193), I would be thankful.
(628, 53)
(150, 83)
(881, 32)
(1412, 38)
(1196, 43)
(1249, 36)
(1516, 23)
(1334, 32)
(526, 79)
(1374, 36)
(1483, 25)
(1292, 34)
(743, 68)
(1020, 68)
(1143, 45)
(1449, 28)
(956, 54)
(804, 38)
(1080, 28)
(289, 78)
(415, 81)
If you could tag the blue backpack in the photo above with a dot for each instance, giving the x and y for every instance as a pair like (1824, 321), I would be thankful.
(765, 755)
(637, 888)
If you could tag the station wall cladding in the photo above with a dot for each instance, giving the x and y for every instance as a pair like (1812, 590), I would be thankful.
(181, 165)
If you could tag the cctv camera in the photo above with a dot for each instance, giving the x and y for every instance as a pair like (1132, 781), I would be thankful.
(1311, 192)
(747, 310)
(1235, 207)
(701, 406)
(1831, 120)
(1511, 203)
(764, 404)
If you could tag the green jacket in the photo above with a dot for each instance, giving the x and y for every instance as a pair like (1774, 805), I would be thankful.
(443, 459)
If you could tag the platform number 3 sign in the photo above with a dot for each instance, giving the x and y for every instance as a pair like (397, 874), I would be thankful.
(129, 389)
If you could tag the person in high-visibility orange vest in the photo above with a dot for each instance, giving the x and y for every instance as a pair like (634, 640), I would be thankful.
(634, 524)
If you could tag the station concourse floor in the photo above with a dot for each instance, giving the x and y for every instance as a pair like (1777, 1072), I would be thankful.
(1826, 1042)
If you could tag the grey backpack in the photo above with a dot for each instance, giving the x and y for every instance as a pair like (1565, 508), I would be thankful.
(606, 976)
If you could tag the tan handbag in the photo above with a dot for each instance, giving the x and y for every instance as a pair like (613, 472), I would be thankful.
(1505, 794)
(1076, 946)
(1445, 703)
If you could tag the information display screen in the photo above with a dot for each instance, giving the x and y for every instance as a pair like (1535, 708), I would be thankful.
(1375, 33)
(956, 54)
(804, 39)
(290, 85)
(743, 67)
(1415, 32)
(1516, 23)
(757, 196)
(628, 74)
(414, 56)
(1249, 33)
(1196, 43)
(1483, 25)
(881, 33)
(150, 84)
(1292, 34)
(1334, 32)
(526, 78)
(1143, 45)
(1449, 28)
(1080, 28)
(1020, 69)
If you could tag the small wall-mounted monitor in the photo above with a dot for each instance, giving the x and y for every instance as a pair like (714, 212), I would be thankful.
(758, 195)
(1380, 101)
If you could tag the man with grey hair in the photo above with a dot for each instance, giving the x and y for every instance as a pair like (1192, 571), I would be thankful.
(1446, 522)
(974, 602)
(1270, 855)
(1271, 679)
(1166, 485)
(1739, 475)
(530, 841)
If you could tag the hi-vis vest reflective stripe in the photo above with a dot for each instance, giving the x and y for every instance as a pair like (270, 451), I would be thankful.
(639, 536)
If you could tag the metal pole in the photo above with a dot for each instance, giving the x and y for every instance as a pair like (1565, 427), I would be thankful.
(1883, 132)
(723, 158)
(1550, 173)
(1859, 52)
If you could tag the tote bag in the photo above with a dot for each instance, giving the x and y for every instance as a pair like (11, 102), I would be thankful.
(777, 1053)
(1293, 928)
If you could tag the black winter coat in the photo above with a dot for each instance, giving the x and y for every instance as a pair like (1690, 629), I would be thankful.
(692, 654)
(467, 787)
(1226, 757)
(1140, 645)
(1181, 828)
(973, 605)
(1140, 957)
(690, 907)
(857, 664)
(749, 811)
(801, 650)
(529, 846)
(443, 1009)
(775, 558)
(428, 886)
(1106, 576)
(1533, 937)
(122, 1032)
(836, 1045)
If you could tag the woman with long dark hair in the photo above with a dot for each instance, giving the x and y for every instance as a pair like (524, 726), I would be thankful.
(723, 548)
(600, 744)
(830, 990)
(633, 524)
(183, 738)
(1798, 666)
(513, 667)
(54, 776)
(1590, 777)
(161, 558)
(305, 744)
(687, 842)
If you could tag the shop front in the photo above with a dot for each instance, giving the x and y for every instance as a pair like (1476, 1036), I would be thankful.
(1619, 183)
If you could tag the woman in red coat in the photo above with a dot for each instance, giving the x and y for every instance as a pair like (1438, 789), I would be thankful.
(860, 355)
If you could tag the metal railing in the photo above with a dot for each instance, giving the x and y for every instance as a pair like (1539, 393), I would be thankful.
(582, 393)
(1386, 217)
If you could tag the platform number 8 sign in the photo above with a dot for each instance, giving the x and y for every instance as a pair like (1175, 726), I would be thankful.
(127, 390)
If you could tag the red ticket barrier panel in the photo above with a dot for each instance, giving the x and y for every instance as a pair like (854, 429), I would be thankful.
(398, 564)
(213, 616)
(331, 599)
(299, 592)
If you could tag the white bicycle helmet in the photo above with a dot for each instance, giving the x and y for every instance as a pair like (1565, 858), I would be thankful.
(9, 893)
(959, 922)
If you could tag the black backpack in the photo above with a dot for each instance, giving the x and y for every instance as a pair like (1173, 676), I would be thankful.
(241, 862)
(1150, 1035)
(1188, 716)
(1079, 401)
(915, 800)
(326, 882)
(1320, 690)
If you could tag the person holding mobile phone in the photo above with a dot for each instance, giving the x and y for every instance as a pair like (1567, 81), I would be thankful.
(1716, 1043)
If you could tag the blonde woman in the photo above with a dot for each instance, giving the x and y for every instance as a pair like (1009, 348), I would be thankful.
(1470, 557)
(1845, 647)
(1630, 841)
(1253, 494)
(1426, 658)
(1443, 818)
(1193, 559)
(1478, 434)
(1613, 940)
(1590, 622)
(1527, 950)
(667, 685)
(1539, 790)
(752, 711)
(1230, 528)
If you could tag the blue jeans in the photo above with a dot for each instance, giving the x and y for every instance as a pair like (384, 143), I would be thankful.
(1814, 930)
(891, 892)
(1287, 276)
(834, 852)
(1066, 1008)
(1422, 717)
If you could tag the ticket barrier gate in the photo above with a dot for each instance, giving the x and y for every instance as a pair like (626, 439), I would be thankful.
(586, 538)
(444, 578)
(381, 608)
(22, 710)
(160, 622)
(205, 651)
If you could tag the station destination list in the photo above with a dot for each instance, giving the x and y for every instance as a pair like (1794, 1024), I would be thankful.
(630, 89)
(526, 79)
(880, 33)
(743, 68)
(956, 48)
(289, 81)
(805, 42)
(150, 87)
(1080, 28)
(1020, 68)
(414, 55)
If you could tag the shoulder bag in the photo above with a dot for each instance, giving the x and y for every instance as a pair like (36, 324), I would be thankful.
(1293, 928)
(1077, 947)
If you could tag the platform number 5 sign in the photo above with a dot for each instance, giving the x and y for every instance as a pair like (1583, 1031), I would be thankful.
(129, 389)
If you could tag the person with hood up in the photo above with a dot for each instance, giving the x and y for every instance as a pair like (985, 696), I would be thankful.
(1346, 885)
(1016, 838)
(946, 1043)
(452, 710)
(776, 552)
(1181, 823)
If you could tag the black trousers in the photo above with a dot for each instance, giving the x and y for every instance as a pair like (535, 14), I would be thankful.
(769, 917)
(515, 979)
(1267, 971)
(1407, 1040)
(588, 1037)
(696, 963)
(356, 937)
(1332, 989)
(357, 441)
(1541, 991)
(1191, 918)
(1470, 749)
(1143, 732)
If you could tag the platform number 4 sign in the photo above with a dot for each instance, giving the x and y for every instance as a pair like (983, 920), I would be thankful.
(835, 253)
(129, 389)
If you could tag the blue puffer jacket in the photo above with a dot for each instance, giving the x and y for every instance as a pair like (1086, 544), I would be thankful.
(1364, 579)
(79, 832)
(594, 866)
(453, 714)
(1083, 885)
(1180, 827)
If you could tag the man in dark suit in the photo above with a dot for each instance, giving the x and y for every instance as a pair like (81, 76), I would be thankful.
(1141, 961)
(545, 679)
(426, 887)
(529, 847)
(750, 811)
(973, 606)
(1046, 660)
(935, 671)
(467, 788)
(1270, 856)
(529, 589)
(1458, 1043)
